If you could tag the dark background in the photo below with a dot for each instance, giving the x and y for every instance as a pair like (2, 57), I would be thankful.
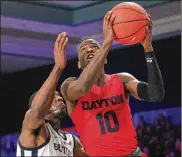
(16, 88)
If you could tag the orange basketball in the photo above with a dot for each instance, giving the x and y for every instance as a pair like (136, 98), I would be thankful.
(129, 24)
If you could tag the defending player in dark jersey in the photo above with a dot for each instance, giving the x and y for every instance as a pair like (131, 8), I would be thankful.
(98, 103)
(41, 135)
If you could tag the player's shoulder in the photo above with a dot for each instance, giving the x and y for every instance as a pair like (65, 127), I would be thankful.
(125, 77)
(124, 74)
(77, 141)
(68, 80)
(64, 89)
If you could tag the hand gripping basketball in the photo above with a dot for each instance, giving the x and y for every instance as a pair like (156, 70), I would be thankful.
(147, 40)
(107, 27)
(60, 50)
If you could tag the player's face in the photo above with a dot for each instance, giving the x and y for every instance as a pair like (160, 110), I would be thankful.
(86, 52)
(58, 108)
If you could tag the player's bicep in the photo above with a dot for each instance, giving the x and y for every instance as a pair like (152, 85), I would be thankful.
(130, 83)
(31, 121)
(30, 130)
(132, 88)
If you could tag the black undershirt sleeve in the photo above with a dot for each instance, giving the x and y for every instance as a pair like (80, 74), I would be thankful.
(152, 91)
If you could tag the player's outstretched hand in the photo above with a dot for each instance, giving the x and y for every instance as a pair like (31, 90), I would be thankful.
(107, 27)
(60, 50)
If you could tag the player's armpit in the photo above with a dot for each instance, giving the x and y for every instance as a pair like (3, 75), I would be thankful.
(130, 83)
(78, 149)
(31, 130)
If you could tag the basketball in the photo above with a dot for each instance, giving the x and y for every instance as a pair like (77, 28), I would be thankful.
(129, 24)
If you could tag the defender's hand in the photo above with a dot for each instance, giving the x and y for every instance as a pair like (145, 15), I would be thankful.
(59, 50)
(147, 41)
(107, 27)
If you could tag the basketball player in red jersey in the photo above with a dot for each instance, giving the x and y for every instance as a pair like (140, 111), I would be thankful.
(98, 103)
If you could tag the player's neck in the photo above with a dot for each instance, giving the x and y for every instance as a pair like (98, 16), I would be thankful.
(101, 81)
(55, 123)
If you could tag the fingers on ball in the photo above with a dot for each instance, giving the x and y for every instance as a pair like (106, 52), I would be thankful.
(112, 19)
(107, 17)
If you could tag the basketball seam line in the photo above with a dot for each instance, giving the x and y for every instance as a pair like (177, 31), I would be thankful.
(132, 34)
(129, 21)
(130, 9)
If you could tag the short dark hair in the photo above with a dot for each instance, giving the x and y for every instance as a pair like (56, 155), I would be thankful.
(31, 99)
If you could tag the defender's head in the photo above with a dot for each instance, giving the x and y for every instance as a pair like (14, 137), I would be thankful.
(86, 51)
(57, 110)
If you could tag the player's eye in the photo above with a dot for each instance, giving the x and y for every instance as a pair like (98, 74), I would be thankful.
(83, 49)
(95, 47)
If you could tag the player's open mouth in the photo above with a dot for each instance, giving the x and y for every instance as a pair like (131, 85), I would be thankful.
(90, 56)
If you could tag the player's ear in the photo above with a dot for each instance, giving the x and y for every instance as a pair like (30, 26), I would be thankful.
(79, 65)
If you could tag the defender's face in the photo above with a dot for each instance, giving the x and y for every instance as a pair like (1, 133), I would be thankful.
(86, 52)
(58, 108)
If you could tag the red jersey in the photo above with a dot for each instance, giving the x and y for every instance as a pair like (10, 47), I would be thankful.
(103, 120)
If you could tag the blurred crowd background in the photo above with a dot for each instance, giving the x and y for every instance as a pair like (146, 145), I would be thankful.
(162, 138)
(28, 32)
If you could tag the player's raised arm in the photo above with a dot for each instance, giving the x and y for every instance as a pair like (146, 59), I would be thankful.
(44, 96)
(153, 90)
(93, 70)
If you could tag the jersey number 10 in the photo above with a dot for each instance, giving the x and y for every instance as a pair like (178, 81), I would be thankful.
(105, 119)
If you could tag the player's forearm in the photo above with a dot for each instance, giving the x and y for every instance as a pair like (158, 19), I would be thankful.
(92, 72)
(154, 73)
(154, 89)
(44, 97)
